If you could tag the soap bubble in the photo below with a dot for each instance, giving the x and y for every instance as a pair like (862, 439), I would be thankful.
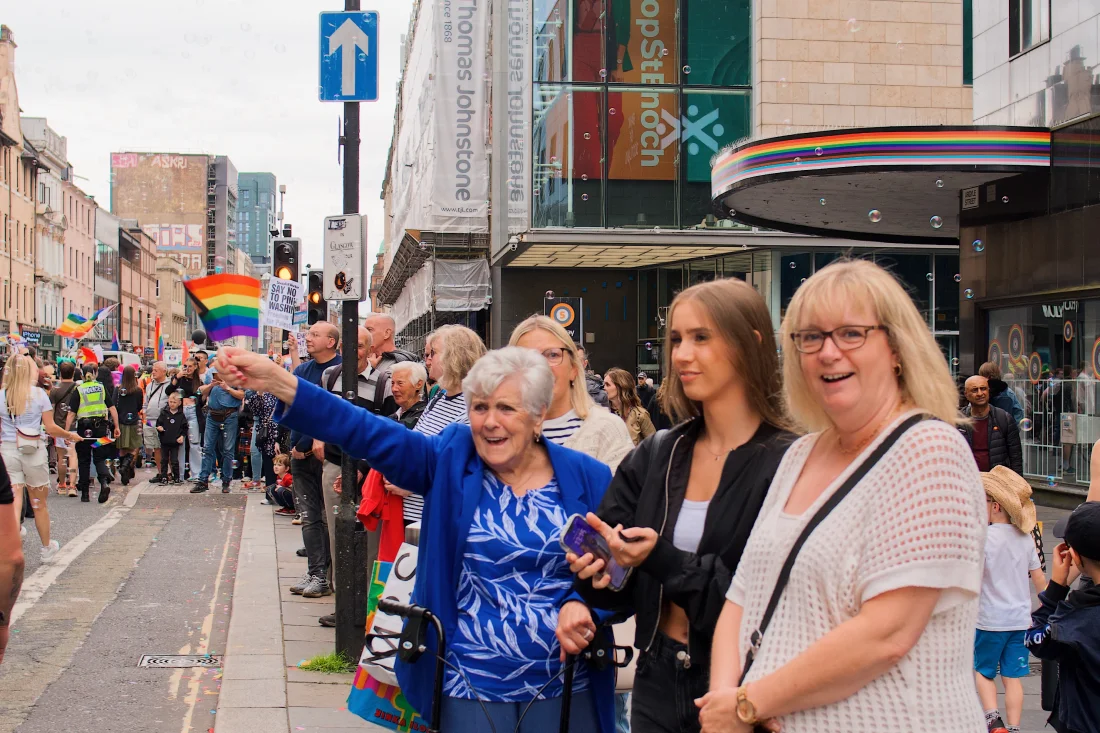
(603, 73)
(649, 346)
(129, 417)
(792, 265)
(853, 25)
(236, 464)
(1004, 199)
(928, 276)
(87, 433)
(969, 294)
(955, 361)
(584, 197)
(939, 183)
(875, 216)
(958, 278)
(818, 151)
(1025, 425)
(584, 176)
(821, 201)
(122, 391)
(588, 136)
(687, 69)
(1051, 481)
(797, 160)
(936, 222)
(783, 83)
(978, 245)
(611, 111)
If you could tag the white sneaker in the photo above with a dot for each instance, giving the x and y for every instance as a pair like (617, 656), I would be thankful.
(48, 551)
(22, 531)
(265, 502)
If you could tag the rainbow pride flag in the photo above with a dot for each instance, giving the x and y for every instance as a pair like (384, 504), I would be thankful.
(159, 340)
(76, 326)
(100, 442)
(229, 305)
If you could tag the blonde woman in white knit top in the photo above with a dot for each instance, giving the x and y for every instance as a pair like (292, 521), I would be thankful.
(875, 628)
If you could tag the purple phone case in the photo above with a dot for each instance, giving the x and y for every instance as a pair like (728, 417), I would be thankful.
(577, 537)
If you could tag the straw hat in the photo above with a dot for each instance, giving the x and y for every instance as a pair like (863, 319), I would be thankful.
(1013, 493)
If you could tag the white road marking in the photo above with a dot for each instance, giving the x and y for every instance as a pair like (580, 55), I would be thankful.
(36, 586)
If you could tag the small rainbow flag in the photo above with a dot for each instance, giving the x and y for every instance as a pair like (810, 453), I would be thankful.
(229, 305)
(100, 442)
(114, 340)
(159, 340)
(76, 326)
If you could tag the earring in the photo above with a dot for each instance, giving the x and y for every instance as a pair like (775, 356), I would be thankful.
(897, 369)
(538, 437)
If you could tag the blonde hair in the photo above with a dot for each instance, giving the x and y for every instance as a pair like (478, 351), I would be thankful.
(743, 322)
(579, 398)
(19, 377)
(925, 381)
(460, 347)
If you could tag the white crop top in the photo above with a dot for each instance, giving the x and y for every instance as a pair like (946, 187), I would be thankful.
(689, 525)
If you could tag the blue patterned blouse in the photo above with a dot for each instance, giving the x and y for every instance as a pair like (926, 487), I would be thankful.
(513, 580)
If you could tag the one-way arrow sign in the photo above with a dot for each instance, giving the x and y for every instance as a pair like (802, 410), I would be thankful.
(349, 57)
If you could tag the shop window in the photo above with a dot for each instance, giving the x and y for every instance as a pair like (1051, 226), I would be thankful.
(1028, 24)
(710, 121)
(643, 150)
(738, 266)
(718, 47)
(568, 154)
(968, 41)
(794, 269)
(1049, 354)
(946, 293)
(701, 271)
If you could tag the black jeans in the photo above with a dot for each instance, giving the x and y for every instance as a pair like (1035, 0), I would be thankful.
(268, 468)
(85, 454)
(666, 685)
(170, 458)
(311, 503)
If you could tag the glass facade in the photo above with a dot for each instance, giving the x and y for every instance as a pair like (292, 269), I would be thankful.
(931, 279)
(1049, 353)
(632, 99)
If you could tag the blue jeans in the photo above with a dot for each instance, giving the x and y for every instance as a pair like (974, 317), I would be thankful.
(220, 437)
(257, 457)
(194, 447)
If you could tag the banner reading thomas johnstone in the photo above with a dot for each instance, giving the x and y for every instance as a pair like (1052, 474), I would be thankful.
(462, 172)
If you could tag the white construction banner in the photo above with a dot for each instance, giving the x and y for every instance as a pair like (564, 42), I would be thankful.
(518, 93)
(461, 181)
(283, 297)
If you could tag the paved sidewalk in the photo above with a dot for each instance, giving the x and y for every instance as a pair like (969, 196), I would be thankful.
(270, 632)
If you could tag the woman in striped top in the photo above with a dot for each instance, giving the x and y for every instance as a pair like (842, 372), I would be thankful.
(573, 419)
(454, 349)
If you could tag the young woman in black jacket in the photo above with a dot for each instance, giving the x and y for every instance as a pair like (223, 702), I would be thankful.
(688, 498)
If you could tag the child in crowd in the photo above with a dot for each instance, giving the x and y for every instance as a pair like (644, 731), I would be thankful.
(1066, 628)
(172, 426)
(281, 494)
(1004, 609)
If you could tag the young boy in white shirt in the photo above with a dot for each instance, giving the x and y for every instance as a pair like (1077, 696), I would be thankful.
(1004, 610)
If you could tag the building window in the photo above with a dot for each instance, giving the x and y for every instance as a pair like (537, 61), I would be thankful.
(1028, 24)
(158, 287)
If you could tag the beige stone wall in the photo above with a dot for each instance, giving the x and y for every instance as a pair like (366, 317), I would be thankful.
(823, 64)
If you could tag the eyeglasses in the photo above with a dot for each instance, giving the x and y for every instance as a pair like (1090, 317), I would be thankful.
(846, 338)
(554, 357)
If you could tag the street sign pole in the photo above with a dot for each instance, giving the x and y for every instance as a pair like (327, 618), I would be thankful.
(350, 551)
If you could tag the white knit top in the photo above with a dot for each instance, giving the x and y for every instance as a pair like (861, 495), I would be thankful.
(917, 519)
(603, 435)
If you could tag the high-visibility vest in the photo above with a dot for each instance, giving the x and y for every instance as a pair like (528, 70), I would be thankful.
(93, 400)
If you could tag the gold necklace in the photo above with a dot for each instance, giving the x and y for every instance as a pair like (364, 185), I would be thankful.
(858, 448)
(717, 456)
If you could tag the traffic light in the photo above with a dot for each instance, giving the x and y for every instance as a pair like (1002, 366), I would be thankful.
(317, 306)
(285, 260)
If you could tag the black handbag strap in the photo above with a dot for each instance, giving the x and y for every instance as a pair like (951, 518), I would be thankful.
(838, 496)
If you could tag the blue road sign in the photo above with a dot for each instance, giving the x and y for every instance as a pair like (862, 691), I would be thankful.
(349, 57)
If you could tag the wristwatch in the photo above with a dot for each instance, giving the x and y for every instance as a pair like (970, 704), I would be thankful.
(746, 711)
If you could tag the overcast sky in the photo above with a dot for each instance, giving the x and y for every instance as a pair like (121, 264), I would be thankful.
(226, 77)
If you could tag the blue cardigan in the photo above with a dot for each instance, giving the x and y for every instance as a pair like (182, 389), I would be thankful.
(447, 470)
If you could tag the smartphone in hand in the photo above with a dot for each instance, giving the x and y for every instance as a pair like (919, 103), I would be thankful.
(579, 538)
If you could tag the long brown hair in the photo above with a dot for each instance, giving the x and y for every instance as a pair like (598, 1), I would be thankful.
(742, 320)
(129, 380)
(627, 389)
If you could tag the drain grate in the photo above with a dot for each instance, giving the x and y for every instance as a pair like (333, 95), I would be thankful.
(180, 660)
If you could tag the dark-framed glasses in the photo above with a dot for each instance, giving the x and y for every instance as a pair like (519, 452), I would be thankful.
(846, 338)
(555, 356)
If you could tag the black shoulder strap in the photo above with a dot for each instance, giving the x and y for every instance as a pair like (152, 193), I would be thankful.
(838, 496)
(333, 376)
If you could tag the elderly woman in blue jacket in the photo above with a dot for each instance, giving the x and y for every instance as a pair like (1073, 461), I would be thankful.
(497, 496)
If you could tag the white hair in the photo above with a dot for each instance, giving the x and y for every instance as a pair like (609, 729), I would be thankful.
(417, 374)
(536, 381)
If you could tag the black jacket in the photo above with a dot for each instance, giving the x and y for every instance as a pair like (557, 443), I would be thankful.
(595, 389)
(174, 424)
(1066, 628)
(1004, 439)
(411, 415)
(640, 496)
